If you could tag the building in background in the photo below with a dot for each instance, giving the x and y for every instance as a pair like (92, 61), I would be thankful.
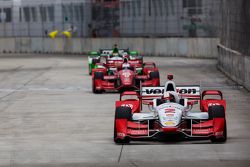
(169, 18)
(6, 17)
(110, 18)
(38, 18)
(105, 18)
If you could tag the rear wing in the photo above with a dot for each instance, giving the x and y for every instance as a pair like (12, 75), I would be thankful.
(105, 52)
(190, 92)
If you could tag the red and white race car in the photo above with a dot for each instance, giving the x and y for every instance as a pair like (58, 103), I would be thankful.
(116, 61)
(124, 77)
(170, 114)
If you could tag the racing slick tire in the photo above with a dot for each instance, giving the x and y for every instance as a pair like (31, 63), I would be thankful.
(117, 82)
(90, 70)
(97, 75)
(122, 113)
(94, 61)
(218, 111)
(154, 75)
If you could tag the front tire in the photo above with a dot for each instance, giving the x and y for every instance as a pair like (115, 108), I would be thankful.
(218, 112)
(221, 139)
(100, 76)
(90, 69)
(122, 113)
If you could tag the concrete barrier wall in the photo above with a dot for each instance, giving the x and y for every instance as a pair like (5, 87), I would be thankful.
(186, 47)
(235, 65)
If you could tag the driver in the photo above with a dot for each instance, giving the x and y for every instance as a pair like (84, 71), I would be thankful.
(115, 49)
(115, 52)
(170, 96)
(125, 64)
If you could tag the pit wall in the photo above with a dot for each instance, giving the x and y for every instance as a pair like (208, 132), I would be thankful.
(235, 65)
(186, 47)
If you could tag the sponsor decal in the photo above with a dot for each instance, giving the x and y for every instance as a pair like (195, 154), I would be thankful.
(202, 131)
(120, 134)
(214, 104)
(138, 132)
(169, 123)
(154, 91)
(169, 110)
(169, 115)
(128, 105)
(186, 91)
(126, 74)
(219, 133)
(180, 90)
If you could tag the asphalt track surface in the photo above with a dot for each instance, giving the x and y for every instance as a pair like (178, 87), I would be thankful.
(49, 117)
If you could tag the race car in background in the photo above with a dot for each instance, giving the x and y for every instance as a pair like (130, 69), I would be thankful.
(124, 77)
(170, 114)
(113, 59)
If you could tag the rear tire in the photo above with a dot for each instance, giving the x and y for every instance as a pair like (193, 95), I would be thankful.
(122, 113)
(218, 112)
(97, 75)
(154, 75)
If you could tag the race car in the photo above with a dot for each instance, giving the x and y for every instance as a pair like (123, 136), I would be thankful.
(123, 77)
(170, 114)
(113, 59)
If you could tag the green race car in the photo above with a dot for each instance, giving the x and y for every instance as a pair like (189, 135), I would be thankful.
(95, 57)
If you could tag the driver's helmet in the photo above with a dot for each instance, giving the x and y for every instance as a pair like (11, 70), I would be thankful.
(168, 97)
(115, 54)
(125, 64)
(125, 55)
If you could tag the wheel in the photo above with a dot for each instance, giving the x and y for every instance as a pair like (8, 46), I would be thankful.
(154, 75)
(218, 112)
(182, 102)
(222, 139)
(117, 82)
(94, 61)
(90, 70)
(122, 113)
(159, 102)
(93, 87)
(97, 75)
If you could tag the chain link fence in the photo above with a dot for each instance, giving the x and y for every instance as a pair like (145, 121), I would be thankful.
(106, 18)
(235, 25)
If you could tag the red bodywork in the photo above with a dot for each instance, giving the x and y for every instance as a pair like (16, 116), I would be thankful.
(123, 79)
(207, 129)
(136, 63)
(133, 103)
(149, 67)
